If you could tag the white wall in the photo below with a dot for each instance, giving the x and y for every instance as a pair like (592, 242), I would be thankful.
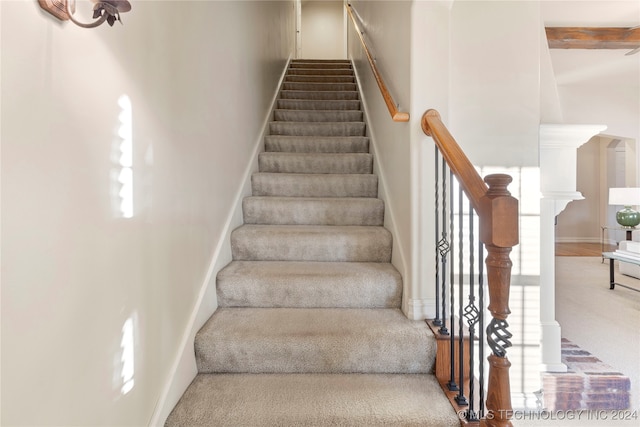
(596, 86)
(322, 31)
(73, 272)
(617, 106)
(603, 162)
(430, 77)
(550, 109)
(486, 87)
(495, 81)
(411, 43)
(614, 102)
(391, 140)
(582, 217)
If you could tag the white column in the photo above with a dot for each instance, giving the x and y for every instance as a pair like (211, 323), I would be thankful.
(558, 154)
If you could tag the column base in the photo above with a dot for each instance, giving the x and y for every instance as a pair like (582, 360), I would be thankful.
(558, 367)
(551, 344)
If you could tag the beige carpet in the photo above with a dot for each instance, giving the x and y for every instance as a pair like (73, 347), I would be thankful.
(295, 400)
(308, 330)
(602, 321)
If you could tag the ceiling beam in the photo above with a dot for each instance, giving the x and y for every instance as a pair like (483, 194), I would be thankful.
(593, 37)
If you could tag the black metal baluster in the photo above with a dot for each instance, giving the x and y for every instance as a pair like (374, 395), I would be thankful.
(471, 314)
(443, 247)
(437, 321)
(452, 382)
(481, 325)
(460, 398)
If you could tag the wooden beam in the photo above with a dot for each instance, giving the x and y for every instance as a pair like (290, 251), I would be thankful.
(593, 37)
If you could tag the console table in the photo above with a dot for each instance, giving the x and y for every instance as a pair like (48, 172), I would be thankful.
(612, 256)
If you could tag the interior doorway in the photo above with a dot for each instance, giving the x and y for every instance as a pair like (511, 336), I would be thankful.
(603, 162)
(321, 29)
(618, 160)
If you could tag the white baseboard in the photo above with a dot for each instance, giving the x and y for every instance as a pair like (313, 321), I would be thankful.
(184, 369)
(419, 309)
(577, 239)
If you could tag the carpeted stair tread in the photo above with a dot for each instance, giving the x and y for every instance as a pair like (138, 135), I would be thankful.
(318, 86)
(342, 243)
(317, 128)
(313, 210)
(318, 400)
(318, 65)
(317, 115)
(323, 71)
(317, 144)
(343, 163)
(318, 94)
(310, 104)
(308, 78)
(309, 284)
(320, 340)
(314, 185)
(321, 61)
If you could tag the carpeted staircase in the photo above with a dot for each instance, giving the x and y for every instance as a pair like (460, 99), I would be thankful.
(309, 330)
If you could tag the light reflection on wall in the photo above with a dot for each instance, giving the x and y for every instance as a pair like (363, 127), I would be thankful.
(124, 358)
(127, 345)
(125, 160)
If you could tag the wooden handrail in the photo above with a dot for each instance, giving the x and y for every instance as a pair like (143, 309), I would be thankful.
(463, 169)
(498, 220)
(396, 115)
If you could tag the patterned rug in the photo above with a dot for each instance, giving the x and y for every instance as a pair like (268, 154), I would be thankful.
(588, 384)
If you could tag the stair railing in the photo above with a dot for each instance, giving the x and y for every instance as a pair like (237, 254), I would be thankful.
(489, 204)
(392, 106)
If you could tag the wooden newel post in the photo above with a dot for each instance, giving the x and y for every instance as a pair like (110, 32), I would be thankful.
(499, 233)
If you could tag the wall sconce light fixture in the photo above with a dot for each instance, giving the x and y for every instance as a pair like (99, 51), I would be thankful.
(103, 10)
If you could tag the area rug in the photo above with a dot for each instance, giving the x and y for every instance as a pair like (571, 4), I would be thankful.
(588, 384)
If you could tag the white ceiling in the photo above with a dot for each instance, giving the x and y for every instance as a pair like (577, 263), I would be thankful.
(587, 13)
(593, 66)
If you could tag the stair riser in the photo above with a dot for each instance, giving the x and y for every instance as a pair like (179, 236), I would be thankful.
(313, 211)
(309, 243)
(314, 185)
(309, 285)
(346, 163)
(310, 144)
(317, 342)
(317, 128)
(320, 71)
(319, 95)
(320, 61)
(316, 65)
(291, 104)
(320, 86)
(317, 116)
(307, 357)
